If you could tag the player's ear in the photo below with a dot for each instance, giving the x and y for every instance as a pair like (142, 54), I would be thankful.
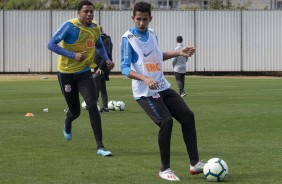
(78, 12)
(132, 17)
(150, 18)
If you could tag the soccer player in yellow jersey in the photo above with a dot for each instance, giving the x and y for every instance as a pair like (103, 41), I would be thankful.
(80, 38)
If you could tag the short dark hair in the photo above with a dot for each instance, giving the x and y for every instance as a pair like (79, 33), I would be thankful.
(82, 3)
(142, 7)
(179, 39)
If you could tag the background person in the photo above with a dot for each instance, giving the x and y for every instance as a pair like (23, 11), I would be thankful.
(80, 38)
(141, 60)
(179, 67)
(101, 72)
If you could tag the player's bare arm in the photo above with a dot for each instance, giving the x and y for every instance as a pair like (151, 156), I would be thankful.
(186, 51)
(148, 80)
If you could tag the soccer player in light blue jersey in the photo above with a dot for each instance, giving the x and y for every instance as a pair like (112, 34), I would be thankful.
(141, 60)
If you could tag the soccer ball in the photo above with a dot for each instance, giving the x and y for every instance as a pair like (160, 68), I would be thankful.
(215, 170)
(84, 106)
(112, 104)
(120, 105)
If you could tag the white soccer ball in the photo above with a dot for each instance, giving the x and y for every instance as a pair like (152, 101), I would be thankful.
(112, 104)
(84, 106)
(216, 170)
(120, 105)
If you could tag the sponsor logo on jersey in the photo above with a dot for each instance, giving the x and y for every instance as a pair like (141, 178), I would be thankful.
(89, 43)
(152, 67)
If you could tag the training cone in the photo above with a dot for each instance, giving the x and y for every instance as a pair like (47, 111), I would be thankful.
(29, 114)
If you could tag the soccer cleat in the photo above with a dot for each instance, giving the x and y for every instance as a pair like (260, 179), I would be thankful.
(104, 153)
(183, 94)
(198, 168)
(67, 136)
(168, 175)
(104, 110)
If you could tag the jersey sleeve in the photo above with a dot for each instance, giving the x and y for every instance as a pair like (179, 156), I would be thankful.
(61, 34)
(126, 56)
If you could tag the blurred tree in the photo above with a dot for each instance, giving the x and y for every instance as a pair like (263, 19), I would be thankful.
(69, 4)
(228, 5)
(244, 6)
(99, 6)
(72, 4)
(23, 5)
(35, 4)
(13, 4)
(216, 4)
(55, 4)
(2, 3)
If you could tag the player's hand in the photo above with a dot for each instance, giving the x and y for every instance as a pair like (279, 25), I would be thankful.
(80, 56)
(187, 51)
(99, 71)
(110, 64)
(152, 84)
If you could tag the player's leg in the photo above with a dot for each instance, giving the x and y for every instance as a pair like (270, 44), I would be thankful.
(157, 111)
(86, 86)
(181, 112)
(179, 82)
(87, 89)
(96, 78)
(182, 79)
(71, 95)
(104, 94)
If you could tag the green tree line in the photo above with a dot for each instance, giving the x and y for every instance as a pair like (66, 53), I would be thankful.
(42, 4)
(220, 5)
(227, 5)
(72, 4)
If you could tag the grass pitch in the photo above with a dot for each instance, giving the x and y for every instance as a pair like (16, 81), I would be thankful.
(237, 120)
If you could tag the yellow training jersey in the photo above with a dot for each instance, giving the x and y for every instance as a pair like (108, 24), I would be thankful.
(86, 41)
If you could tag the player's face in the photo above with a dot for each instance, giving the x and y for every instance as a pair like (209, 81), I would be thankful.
(86, 15)
(142, 20)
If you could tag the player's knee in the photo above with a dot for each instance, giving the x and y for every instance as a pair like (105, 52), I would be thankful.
(168, 120)
(191, 115)
(91, 106)
(74, 114)
(188, 118)
(165, 122)
(185, 113)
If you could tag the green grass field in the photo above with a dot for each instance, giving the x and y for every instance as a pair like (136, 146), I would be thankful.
(237, 119)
